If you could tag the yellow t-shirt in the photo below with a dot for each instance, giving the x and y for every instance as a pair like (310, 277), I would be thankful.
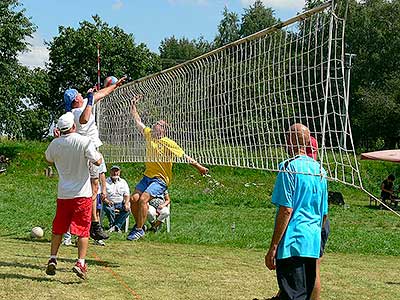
(159, 156)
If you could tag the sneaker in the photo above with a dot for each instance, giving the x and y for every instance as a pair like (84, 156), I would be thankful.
(67, 242)
(99, 243)
(97, 233)
(135, 234)
(51, 267)
(114, 228)
(79, 270)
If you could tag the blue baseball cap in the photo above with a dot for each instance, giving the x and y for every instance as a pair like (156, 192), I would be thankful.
(69, 97)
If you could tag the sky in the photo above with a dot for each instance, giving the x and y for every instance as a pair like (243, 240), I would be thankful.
(150, 21)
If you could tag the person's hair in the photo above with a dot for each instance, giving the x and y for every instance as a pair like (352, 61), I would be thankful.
(391, 177)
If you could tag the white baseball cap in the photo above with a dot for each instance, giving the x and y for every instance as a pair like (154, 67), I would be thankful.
(65, 122)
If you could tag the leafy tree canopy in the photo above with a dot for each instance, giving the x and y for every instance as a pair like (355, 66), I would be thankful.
(14, 79)
(373, 34)
(174, 51)
(256, 18)
(228, 28)
(73, 58)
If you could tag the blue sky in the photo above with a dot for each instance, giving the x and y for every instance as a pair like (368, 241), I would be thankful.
(150, 21)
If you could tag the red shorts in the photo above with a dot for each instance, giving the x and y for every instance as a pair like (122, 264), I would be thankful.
(73, 215)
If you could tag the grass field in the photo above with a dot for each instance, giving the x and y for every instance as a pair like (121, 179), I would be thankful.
(202, 258)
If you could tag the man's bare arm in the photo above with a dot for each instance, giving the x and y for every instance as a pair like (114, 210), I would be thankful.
(108, 90)
(282, 221)
(135, 115)
(202, 170)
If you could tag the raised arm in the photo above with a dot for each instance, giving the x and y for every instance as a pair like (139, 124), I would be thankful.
(85, 115)
(93, 98)
(106, 91)
(135, 114)
(202, 170)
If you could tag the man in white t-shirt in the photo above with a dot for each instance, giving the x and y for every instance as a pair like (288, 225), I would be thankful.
(82, 110)
(117, 199)
(71, 154)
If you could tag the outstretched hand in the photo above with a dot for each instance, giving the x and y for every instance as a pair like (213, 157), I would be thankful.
(203, 170)
(121, 81)
(136, 99)
(92, 89)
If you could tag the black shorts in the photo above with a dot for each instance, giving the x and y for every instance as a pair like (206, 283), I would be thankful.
(296, 277)
(324, 236)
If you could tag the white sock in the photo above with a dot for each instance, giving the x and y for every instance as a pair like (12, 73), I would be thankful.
(53, 257)
(81, 261)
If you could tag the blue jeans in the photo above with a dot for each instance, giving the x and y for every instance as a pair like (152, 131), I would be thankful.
(114, 220)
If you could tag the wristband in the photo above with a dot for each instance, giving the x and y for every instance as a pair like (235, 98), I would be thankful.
(90, 99)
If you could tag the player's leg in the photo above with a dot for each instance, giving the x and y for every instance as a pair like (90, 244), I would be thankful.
(61, 225)
(142, 209)
(316, 294)
(80, 226)
(294, 275)
(134, 200)
(96, 231)
(155, 188)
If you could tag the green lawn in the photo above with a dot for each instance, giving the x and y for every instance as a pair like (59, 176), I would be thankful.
(202, 257)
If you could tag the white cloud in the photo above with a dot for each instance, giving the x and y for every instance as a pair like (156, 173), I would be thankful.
(37, 54)
(118, 4)
(278, 4)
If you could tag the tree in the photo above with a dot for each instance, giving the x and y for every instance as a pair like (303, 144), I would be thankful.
(36, 117)
(377, 123)
(14, 28)
(256, 18)
(73, 58)
(174, 51)
(373, 34)
(228, 29)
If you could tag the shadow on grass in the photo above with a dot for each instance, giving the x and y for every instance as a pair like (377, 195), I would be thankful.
(33, 240)
(92, 262)
(393, 283)
(38, 279)
(20, 265)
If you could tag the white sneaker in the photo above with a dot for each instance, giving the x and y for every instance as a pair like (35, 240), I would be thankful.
(67, 242)
(99, 243)
(114, 229)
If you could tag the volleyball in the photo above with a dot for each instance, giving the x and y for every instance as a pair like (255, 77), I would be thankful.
(110, 80)
(37, 232)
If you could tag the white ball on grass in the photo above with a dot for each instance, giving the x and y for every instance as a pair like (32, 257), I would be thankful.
(37, 232)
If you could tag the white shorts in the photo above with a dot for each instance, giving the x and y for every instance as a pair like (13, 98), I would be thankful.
(94, 170)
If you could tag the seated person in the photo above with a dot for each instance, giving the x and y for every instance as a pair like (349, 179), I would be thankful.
(158, 211)
(116, 200)
(387, 188)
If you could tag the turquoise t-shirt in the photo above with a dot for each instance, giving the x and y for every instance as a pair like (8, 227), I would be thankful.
(300, 186)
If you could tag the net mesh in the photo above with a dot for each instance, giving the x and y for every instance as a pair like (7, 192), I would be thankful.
(233, 106)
